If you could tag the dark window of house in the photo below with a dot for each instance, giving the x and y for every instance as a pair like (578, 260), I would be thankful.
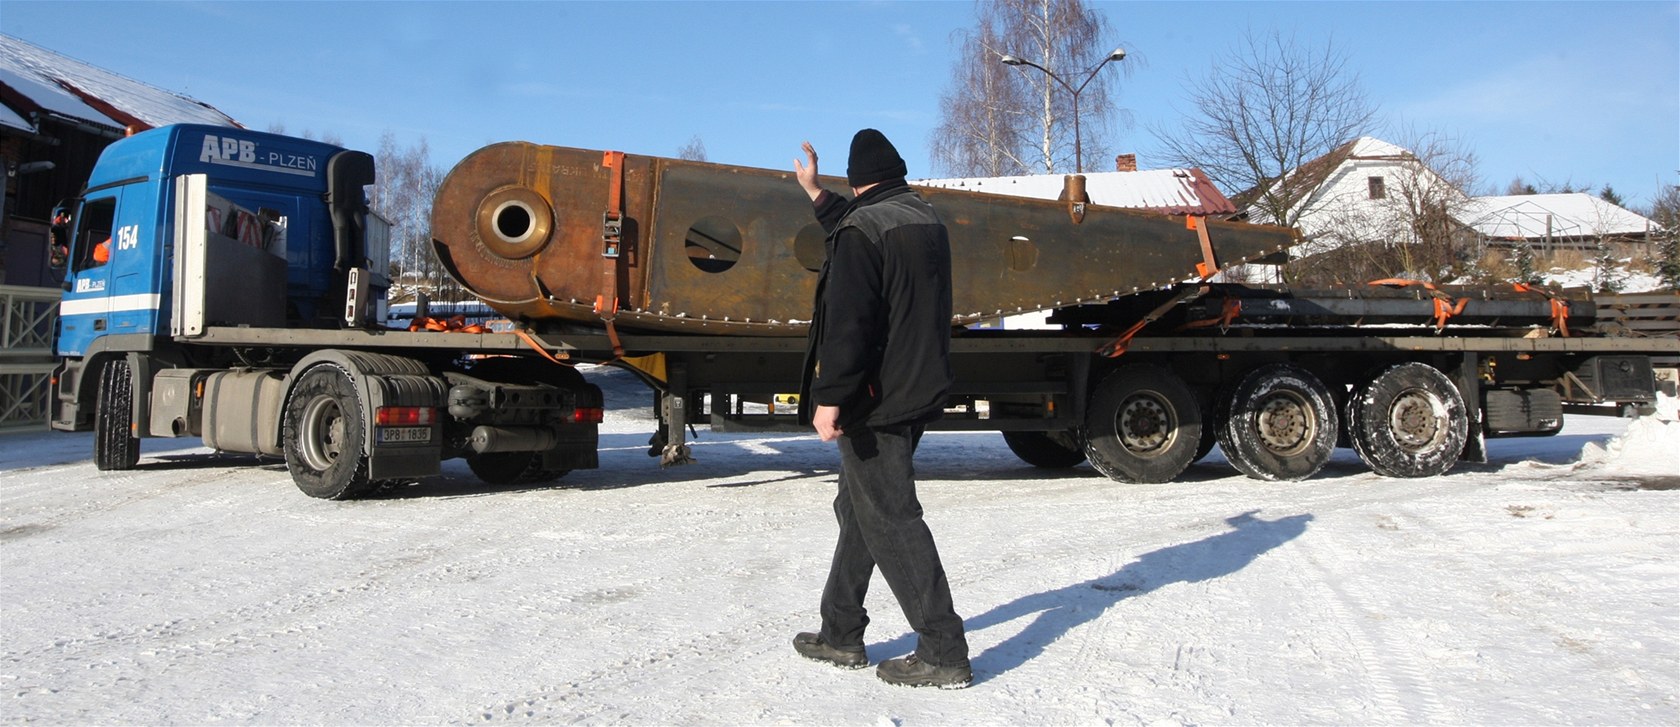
(1376, 186)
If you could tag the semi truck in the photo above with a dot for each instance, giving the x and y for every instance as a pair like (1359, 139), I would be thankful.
(229, 285)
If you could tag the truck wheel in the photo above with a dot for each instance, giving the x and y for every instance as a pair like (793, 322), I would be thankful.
(1142, 425)
(1279, 423)
(114, 445)
(1210, 428)
(512, 468)
(1051, 450)
(1409, 421)
(324, 436)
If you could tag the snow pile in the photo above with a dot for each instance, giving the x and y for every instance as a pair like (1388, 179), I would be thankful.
(1632, 281)
(1647, 448)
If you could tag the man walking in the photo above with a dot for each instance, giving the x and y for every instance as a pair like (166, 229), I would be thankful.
(877, 369)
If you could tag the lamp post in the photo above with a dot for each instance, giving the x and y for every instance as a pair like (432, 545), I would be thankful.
(1078, 151)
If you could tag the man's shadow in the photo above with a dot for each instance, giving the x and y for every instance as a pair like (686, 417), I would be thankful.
(1057, 612)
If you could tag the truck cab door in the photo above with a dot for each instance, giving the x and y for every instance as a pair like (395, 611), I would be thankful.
(107, 290)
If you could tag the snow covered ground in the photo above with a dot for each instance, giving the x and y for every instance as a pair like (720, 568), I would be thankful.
(1543, 587)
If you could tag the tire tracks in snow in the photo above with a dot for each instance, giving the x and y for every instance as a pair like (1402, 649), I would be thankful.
(670, 668)
(1397, 674)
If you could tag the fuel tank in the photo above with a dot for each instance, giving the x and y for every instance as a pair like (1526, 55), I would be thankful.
(556, 236)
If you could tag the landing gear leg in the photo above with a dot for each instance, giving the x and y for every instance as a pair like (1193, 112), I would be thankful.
(670, 440)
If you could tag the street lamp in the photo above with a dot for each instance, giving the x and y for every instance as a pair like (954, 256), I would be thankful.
(1078, 155)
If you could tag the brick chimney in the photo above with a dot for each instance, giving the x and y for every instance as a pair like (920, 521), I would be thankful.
(1125, 163)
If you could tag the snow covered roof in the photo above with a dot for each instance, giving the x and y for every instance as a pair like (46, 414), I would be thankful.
(36, 82)
(1304, 180)
(1169, 191)
(1370, 147)
(1539, 216)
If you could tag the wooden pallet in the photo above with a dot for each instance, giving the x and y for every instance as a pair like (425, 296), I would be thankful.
(1641, 315)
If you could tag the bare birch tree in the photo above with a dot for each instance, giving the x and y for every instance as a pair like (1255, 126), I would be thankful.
(1267, 107)
(402, 193)
(997, 120)
(982, 116)
(694, 150)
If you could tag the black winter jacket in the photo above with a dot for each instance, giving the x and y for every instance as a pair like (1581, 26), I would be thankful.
(880, 337)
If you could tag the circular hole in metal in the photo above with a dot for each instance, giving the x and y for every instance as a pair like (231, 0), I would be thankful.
(713, 244)
(1020, 254)
(808, 247)
(514, 222)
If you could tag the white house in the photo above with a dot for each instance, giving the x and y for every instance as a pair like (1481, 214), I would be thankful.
(1364, 190)
(1372, 190)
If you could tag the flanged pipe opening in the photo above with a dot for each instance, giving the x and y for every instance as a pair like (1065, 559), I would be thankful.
(514, 222)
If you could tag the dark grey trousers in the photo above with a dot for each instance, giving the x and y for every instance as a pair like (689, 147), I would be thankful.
(881, 526)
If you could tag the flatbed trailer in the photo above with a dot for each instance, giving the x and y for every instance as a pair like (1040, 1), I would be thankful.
(1277, 399)
(241, 284)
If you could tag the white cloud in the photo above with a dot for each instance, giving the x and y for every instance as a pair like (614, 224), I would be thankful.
(911, 39)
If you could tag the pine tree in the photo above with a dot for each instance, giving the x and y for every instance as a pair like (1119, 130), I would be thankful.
(1523, 258)
(1607, 272)
(1666, 212)
(1668, 255)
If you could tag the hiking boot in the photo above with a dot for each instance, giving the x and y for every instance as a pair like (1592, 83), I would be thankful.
(811, 646)
(913, 672)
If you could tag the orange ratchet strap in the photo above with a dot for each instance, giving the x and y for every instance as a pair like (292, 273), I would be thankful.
(1444, 309)
(1445, 306)
(1228, 312)
(1560, 307)
(1116, 347)
(612, 243)
(533, 343)
(1208, 266)
(458, 324)
(453, 324)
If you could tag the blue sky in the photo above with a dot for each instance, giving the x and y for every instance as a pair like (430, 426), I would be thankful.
(1578, 92)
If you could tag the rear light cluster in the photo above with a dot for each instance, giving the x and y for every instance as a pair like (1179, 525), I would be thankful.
(401, 416)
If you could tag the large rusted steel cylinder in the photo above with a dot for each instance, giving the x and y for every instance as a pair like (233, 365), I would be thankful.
(710, 248)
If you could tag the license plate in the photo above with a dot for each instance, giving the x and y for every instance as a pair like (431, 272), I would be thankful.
(391, 435)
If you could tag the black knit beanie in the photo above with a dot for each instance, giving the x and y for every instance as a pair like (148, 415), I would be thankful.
(873, 160)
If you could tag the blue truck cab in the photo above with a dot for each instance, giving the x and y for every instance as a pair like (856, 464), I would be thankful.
(185, 228)
(297, 202)
(229, 285)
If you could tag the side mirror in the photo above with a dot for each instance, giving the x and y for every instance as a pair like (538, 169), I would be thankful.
(58, 243)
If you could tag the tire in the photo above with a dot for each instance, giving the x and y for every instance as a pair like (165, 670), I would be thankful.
(325, 436)
(1408, 421)
(114, 445)
(512, 468)
(1279, 423)
(1210, 428)
(1142, 425)
(1050, 450)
